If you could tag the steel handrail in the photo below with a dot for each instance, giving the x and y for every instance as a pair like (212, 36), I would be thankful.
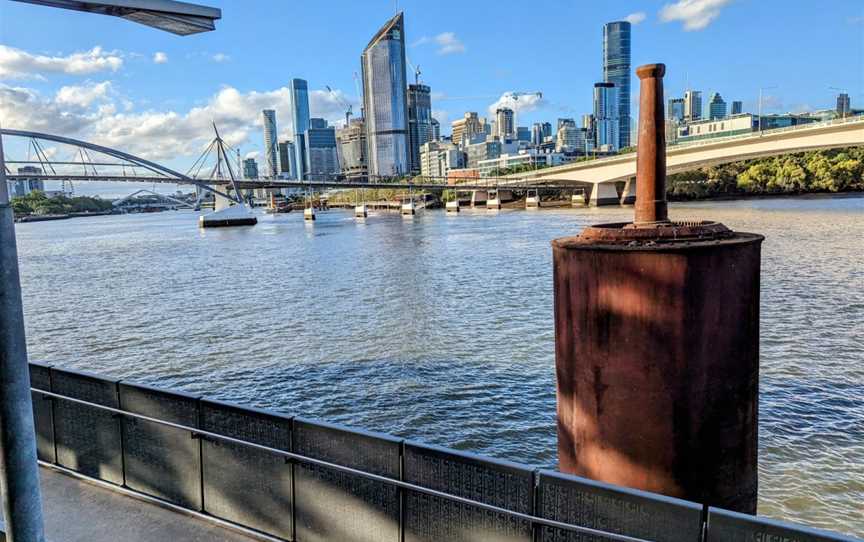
(197, 433)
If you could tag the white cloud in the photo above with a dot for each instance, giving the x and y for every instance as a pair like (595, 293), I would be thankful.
(95, 113)
(160, 58)
(253, 155)
(83, 95)
(448, 43)
(695, 14)
(519, 104)
(635, 18)
(220, 57)
(19, 64)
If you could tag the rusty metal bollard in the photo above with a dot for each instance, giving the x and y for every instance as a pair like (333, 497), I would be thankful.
(657, 343)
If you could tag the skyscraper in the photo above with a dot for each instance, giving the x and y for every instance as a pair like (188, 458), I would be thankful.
(504, 127)
(616, 69)
(537, 134)
(287, 158)
(351, 141)
(692, 105)
(384, 101)
(300, 117)
(716, 107)
(466, 128)
(271, 163)
(250, 168)
(606, 121)
(321, 157)
(675, 109)
(419, 121)
(737, 107)
(844, 105)
(435, 130)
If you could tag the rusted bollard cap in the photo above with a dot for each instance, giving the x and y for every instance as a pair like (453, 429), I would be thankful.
(651, 70)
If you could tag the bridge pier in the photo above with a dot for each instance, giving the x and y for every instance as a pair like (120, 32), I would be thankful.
(628, 196)
(532, 199)
(604, 194)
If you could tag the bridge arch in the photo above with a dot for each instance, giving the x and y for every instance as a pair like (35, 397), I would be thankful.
(170, 174)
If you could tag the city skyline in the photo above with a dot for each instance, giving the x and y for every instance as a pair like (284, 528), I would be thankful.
(113, 96)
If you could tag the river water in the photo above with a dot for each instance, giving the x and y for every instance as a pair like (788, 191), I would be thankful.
(439, 328)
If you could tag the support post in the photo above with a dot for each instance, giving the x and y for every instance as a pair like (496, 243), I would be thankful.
(19, 471)
(657, 344)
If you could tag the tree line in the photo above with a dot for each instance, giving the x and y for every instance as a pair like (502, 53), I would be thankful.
(37, 203)
(836, 170)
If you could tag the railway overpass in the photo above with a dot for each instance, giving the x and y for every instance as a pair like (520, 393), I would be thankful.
(599, 176)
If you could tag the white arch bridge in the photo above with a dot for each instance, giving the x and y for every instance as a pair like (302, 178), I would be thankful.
(126, 167)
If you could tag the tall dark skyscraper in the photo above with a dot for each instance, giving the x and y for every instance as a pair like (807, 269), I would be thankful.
(300, 120)
(616, 69)
(419, 121)
(384, 100)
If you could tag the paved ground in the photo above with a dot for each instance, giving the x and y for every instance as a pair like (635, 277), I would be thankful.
(78, 511)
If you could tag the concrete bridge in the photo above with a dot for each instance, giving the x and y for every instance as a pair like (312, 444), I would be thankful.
(599, 176)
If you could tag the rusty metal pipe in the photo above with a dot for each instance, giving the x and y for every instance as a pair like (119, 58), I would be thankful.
(651, 150)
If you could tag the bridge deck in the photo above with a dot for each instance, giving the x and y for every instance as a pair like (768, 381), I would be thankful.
(79, 511)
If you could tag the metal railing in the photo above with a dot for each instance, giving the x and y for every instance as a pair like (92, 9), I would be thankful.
(177, 456)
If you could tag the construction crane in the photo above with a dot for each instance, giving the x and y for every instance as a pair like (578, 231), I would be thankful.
(417, 72)
(348, 107)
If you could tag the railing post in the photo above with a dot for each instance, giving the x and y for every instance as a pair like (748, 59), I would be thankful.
(19, 471)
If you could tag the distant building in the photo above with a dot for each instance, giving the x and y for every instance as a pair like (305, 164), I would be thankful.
(484, 150)
(692, 105)
(250, 168)
(419, 121)
(287, 160)
(299, 90)
(351, 142)
(504, 128)
(716, 107)
(435, 128)
(321, 155)
(23, 187)
(675, 109)
(738, 125)
(531, 158)
(737, 107)
(547, 130)
(537, 134)
(523, 133)
(438, 158)
(466, 128)
(271, 160)
(569, 138)
(606, 117)
(844, 105)
(384, 100)
(616, 69)
(563, 122)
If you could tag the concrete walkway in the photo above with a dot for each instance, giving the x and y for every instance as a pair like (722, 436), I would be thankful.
(79, 511)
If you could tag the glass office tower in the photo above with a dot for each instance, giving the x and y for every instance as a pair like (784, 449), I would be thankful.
(616, 69)
(300, 118)
(271, 165)
(419, 121)
(385, 102)
(606, 121)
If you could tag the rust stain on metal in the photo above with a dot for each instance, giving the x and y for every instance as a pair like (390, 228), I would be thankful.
(657, 343)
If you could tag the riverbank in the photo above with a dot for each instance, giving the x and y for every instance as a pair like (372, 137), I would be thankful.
(50, 217)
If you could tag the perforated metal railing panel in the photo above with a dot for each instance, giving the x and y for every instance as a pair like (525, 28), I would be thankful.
(298, 479)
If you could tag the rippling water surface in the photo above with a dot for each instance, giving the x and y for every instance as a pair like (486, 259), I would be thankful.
(439, 328)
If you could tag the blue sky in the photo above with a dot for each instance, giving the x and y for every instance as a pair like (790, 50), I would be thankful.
(100, 78)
